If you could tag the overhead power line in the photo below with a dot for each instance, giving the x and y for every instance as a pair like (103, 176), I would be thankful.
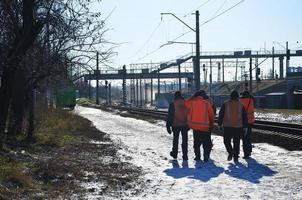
(225, 11)
(220, 7)
(209, 20)
(148, 40)
(203, 4)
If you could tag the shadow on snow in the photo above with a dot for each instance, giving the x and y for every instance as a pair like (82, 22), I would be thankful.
(252, 172)
(203, 171)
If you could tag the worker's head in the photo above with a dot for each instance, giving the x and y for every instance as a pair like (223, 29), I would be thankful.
(197, 94)
(203, 94)
(245, 94)
(234, 95)
(177, 95)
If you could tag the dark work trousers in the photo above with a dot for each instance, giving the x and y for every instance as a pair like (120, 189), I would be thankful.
(246, 140)
(204, 138)
(184, 145)
(235, 134)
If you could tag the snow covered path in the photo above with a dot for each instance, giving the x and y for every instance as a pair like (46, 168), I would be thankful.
(273, 173)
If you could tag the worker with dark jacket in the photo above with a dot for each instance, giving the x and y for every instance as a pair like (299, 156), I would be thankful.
(201, 120)
(233, 118)
(177, 119)
(248, 102)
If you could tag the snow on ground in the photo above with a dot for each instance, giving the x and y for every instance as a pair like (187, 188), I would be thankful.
(272, 173)
(279, 117)
(285, 117)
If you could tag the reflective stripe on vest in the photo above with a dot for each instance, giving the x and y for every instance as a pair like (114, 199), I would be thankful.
(180, 113)
(233, 114)
(198, 118)
(248, 104)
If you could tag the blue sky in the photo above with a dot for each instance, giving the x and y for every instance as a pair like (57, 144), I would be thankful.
(253, 24)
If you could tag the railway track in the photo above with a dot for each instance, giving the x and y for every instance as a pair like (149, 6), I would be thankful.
(291, 131)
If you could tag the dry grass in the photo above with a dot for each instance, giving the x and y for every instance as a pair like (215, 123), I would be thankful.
(55, 127)
(14, 173)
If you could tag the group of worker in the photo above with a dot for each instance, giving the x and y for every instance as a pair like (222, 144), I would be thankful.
(236, 117)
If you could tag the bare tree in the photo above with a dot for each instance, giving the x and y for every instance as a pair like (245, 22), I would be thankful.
(44, 39)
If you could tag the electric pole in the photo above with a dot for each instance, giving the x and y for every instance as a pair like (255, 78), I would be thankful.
(97, 78)
(197, 60)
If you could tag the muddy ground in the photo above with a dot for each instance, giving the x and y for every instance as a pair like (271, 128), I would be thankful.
(89, 167)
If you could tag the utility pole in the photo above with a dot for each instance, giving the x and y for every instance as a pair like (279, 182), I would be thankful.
(106, 92)
(273, 63)
(89, 86)
(251, 76)
(140, 91)
(158, 84)
(109, 88)
(179, 78)
(137, 91)
(197, 60)
(97, 78)
(287, 59)
(124, 85)
(151, 88)
(211, 78)
(222, 70)
(236, 70)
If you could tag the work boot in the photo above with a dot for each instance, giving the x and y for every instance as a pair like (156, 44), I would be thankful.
(173, 155)
(230, 156)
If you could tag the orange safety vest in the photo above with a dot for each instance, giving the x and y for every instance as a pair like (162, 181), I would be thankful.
(233, 114)
(200, 115)
(180, 113)
(249, 106)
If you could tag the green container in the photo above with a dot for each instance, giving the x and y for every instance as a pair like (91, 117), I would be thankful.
(66, 98)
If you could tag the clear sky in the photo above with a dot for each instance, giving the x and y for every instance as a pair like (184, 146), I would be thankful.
(252, 24)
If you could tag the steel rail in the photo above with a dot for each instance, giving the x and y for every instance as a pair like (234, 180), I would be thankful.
(287, 129)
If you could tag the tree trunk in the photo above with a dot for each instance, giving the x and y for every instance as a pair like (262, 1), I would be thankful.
(31, 112)
(17, 105)
(5, 97)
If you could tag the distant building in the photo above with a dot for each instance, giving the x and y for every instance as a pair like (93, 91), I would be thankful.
(295, 69)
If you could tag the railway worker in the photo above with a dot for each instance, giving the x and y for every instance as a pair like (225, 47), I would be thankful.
(248, 102)
(233, 119)
(201, 120)
(177, 119)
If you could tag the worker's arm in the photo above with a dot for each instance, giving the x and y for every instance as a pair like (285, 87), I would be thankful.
(170, 117)
(244, 118)
(211, 117)
(221, 115)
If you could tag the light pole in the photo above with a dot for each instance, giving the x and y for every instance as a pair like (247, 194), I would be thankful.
(196, 68)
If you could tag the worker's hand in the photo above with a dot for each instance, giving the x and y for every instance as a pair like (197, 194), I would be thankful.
(244, 132)
(169, 130)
